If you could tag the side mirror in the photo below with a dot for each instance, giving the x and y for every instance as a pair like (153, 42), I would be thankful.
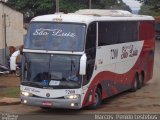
(83, 64)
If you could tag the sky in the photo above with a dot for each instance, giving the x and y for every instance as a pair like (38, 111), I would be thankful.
(133, 4)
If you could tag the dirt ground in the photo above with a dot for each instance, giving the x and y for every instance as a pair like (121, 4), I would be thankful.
(9, 81)
(145, 100)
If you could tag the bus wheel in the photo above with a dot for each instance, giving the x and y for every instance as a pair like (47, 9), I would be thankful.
(97, 99)
(135, 84)
(141, 80)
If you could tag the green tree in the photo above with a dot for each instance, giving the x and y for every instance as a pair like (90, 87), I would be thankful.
(32, 8)
(150, 7)
(147, 10)
(150, 2)
(39, 7)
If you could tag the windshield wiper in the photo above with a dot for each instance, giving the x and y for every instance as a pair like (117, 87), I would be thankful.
(73, 65)
(32, 84)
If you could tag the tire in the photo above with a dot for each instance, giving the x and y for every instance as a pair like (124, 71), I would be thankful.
(97, 99)
(140, 80)
(135, 84)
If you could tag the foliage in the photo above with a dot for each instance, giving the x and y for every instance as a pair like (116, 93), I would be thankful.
(147, 10)
(31, 8)
(40, 7)
(150, 2)
(150, 7)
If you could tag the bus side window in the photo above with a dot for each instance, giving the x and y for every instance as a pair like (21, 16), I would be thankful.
(128, 32)
(107, 33)
(90, 51)
(117, 32)
(91, 36)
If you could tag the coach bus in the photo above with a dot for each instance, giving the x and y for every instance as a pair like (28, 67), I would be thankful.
(78, 59)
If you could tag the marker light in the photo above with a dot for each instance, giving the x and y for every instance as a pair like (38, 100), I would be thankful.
(58, 19)
(75, 96)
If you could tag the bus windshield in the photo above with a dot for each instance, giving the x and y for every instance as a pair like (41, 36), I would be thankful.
(55, 36)
(59, 71)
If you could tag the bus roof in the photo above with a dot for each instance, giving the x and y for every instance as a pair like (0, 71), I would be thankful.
(89, 15)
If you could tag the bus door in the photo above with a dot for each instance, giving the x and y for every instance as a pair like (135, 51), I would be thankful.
(90, 50)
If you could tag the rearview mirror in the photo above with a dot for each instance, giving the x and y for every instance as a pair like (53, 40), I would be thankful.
(83, 62)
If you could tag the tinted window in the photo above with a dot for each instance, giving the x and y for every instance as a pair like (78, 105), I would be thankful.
(108, 33)
(157, 27)
(117, 32)
(91, 36)
(55, 36)
(62, 68)
(90, 51)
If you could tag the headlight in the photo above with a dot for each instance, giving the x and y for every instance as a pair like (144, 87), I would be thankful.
(76, 96)
(27, 94)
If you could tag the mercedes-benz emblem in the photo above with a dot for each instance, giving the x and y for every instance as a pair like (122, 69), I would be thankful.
(47, 95)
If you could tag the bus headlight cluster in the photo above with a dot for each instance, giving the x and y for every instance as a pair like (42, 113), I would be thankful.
(75, 96)
(27, 94)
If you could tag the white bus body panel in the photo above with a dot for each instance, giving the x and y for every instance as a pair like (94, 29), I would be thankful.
(54, 93)
(111, 56)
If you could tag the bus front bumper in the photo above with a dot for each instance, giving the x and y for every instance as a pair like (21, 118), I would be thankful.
(52, 103)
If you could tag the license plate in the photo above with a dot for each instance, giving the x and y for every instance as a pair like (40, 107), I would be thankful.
(46, 103)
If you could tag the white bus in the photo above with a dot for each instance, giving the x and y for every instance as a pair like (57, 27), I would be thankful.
(78, 59)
